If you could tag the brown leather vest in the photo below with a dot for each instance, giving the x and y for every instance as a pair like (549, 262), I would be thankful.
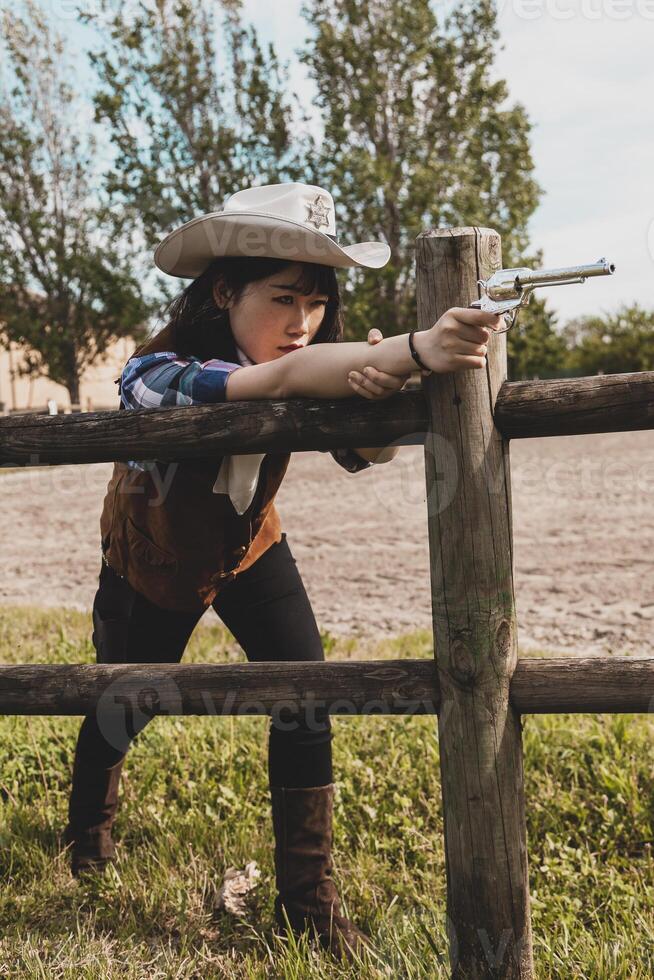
(173, 539)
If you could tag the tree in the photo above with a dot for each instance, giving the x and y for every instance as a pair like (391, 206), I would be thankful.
(414, 136)
(534, 348)
(192, 120)
(66, 291)
(614, 344)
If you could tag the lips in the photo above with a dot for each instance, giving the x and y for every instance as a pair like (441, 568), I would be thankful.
(291, 347)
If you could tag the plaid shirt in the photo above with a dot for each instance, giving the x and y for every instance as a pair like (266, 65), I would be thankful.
(163, 378)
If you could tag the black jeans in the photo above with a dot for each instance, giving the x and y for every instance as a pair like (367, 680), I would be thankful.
(267, 609)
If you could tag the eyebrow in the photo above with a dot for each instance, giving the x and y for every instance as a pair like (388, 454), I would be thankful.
(293, 289)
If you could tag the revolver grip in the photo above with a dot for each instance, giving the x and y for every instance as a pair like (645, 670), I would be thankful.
(509, 316)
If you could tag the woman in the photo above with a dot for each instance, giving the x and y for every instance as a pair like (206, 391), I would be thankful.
(178, 537)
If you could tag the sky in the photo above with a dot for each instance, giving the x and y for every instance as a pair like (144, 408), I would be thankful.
(583, 71)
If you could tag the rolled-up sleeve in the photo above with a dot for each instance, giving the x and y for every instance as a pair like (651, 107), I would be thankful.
(165, 379)
(161, 379)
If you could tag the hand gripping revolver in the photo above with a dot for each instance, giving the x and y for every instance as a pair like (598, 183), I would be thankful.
(507, 290)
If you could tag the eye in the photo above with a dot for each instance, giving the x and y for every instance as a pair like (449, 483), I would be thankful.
(283, 300)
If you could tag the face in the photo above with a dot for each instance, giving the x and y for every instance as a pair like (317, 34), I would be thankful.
(271, 315)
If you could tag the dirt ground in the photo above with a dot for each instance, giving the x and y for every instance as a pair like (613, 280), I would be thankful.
(583, 509)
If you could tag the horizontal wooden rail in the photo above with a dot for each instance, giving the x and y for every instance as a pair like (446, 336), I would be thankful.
(576, 406)
(606, 403)
(211, 430)
(390, 687)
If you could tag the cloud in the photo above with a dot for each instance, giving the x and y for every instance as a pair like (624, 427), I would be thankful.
(587, 86)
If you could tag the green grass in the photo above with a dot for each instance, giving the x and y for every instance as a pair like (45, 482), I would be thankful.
(195, 802)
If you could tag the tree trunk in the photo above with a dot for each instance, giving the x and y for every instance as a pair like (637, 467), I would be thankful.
(73, 386)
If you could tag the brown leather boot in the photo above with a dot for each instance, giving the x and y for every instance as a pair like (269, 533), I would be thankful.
(91, 813)
(302, 822)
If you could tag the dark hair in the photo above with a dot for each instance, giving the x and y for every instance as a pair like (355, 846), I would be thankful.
(195, 321)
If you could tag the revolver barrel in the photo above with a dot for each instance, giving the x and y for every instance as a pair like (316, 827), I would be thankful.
(517, 284)
(508, 289)
(560, 277)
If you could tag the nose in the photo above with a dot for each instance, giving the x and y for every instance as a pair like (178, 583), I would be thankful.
(298, 325)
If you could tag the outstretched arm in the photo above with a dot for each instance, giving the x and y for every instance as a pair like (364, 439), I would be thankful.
(456, 342)
(318, 371)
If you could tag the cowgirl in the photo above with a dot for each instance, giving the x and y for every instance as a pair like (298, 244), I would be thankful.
(178, 537)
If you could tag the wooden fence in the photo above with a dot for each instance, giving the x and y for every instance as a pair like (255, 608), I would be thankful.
(476, 685)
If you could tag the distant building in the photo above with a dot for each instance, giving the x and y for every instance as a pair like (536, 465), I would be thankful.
(97, 388)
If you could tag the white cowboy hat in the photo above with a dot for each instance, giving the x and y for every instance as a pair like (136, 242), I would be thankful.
(282, 221)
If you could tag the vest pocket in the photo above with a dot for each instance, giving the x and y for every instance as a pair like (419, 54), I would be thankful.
(147, 551)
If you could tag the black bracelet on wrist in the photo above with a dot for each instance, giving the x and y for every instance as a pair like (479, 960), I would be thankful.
(416, 356)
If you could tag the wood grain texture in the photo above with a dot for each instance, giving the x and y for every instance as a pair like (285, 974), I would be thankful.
(384, 687)
(349, 687)
(474, 622)
(212, 430)
(522, 409)
(576, 406)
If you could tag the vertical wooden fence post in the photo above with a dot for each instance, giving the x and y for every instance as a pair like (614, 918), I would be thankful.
(475, 637)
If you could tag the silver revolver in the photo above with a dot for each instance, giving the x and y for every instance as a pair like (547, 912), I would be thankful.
(507, 290)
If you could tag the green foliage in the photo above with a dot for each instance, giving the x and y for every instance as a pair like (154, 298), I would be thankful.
(534, 348)
(417, 132)
(196, 109)
(66, 288)
(612, 344)
(414, 135)
(622, 342)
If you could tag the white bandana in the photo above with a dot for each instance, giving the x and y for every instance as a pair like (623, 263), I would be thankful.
(238, 475)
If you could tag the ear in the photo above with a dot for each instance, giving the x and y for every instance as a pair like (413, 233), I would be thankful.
(220, 295)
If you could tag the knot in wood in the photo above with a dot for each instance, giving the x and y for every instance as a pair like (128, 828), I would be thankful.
(503, 639)
(462, 664)
(456, 400)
